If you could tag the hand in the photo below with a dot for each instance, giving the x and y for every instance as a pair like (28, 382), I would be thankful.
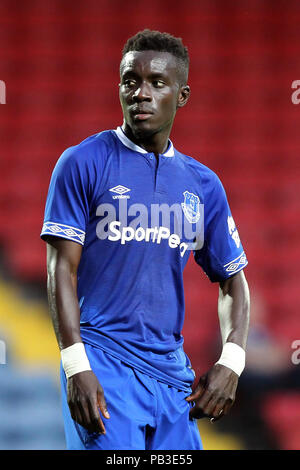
(85, 397)
(214, 394)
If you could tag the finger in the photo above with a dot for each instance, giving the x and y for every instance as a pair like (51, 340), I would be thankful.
(77, 416)
(102, 405)
(85, 415)
(210, 406)
(72, 410)
(227, 406)
(221, 410)
(203, 401)
(218, 411)
(213, 419)
(96, 421)
(73, 406)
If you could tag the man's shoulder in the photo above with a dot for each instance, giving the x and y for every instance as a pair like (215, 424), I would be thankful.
(205, 173)
(92, 145)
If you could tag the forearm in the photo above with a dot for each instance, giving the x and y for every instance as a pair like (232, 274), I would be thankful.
(63, 302)
(234, 310)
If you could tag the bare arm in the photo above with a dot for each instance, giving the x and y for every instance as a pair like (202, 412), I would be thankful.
(233, 309)
(63, 258)
(85, 394)
(215, 392)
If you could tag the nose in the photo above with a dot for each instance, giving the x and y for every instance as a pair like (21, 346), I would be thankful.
(142, 93)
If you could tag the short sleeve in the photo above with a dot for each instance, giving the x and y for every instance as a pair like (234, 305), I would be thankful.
(67, 205)
(222, 254)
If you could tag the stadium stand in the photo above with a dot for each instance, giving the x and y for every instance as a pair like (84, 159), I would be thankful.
(30, 416)
(60, 64)
(30, 407)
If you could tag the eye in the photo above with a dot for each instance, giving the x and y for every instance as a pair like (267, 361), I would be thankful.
(129, 83)
(158, 83)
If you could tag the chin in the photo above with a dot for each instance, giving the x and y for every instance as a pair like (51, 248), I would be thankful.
(143, 129)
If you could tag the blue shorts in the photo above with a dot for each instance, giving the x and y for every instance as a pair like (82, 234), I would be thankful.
(145, 414)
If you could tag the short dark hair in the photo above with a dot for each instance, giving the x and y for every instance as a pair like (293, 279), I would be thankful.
(150, 40)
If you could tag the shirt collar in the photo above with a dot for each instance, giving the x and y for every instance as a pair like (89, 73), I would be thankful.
(128, 143)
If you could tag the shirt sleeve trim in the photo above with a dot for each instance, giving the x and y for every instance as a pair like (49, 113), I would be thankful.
(236, 264)
(63, 231)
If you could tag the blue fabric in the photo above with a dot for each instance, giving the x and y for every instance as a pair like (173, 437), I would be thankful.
(145, 414)
(131, 291)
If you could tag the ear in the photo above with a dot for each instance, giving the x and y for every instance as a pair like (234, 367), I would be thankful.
(183, 96)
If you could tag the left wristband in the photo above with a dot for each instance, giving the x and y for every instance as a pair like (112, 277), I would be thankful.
(233, 357)
(74, 359)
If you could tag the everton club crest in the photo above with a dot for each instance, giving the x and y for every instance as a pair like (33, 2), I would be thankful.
(191, 207)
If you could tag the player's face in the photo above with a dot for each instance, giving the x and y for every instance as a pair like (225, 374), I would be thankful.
(150, 92)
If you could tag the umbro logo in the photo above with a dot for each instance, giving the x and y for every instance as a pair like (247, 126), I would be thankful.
(120, 190)
(237, 264)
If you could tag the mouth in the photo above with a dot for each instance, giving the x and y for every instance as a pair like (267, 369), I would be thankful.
(141, 114)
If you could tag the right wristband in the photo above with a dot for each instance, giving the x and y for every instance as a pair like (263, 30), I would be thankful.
(234, 357)
(74, 359)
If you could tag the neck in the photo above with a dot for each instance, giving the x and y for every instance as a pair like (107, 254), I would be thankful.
(155, 143)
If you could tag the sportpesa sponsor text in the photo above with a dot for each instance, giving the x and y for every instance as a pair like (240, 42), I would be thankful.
(155, 235)
(162, 222)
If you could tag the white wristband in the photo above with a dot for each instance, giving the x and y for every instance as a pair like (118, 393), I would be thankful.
(74, 359)
(234, 357)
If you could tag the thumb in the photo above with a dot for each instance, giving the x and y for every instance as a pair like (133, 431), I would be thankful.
(192, 396)
(198, 390)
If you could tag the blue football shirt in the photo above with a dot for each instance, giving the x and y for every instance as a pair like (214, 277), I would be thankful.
(138, 219)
